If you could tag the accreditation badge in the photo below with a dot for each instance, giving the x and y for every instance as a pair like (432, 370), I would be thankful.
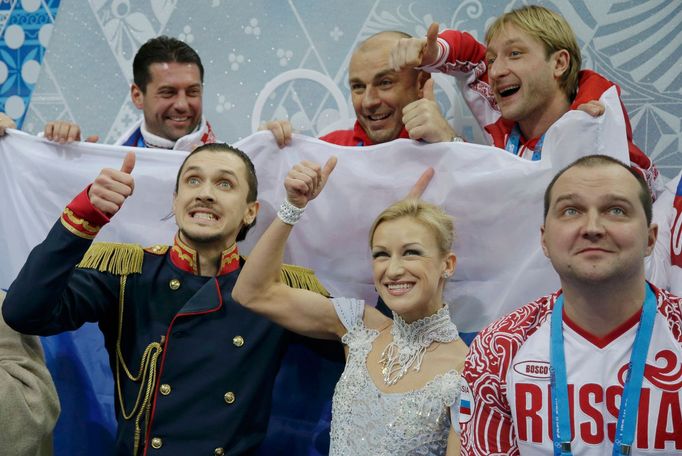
(676, 227)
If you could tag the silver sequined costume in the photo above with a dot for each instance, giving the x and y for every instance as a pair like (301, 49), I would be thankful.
(366, 421)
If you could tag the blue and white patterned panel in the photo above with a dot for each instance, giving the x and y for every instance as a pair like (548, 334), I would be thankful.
(25, 30)
(269, 59)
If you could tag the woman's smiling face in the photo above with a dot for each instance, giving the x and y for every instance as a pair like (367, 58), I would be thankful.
(408, 267)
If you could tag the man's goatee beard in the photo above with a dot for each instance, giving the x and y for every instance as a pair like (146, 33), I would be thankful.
(197, 240)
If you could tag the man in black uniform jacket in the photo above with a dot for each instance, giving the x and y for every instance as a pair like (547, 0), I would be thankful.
(193, 369)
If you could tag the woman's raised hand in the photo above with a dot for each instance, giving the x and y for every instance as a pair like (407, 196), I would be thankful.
(306, 180)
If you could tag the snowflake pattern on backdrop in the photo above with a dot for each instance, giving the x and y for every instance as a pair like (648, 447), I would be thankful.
(25, 30)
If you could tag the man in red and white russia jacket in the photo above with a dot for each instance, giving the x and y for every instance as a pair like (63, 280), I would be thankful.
(526, 78)
(388, 104)
(597, 365)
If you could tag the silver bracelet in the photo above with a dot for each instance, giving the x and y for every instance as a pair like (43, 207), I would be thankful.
(290, 214)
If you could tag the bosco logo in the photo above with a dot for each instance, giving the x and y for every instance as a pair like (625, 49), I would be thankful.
(533, 369)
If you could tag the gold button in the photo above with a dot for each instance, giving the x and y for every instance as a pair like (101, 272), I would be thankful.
(238, 341)
(219, 452)
(229, 397)
(156, 248)
(157, 443)
(165, 389)
(174, 284)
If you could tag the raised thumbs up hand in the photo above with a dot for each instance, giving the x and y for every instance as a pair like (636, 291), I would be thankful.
(128, 163)
(423, 119)
(306, 180)
(111, 187)
(428, 91)
(414, 52)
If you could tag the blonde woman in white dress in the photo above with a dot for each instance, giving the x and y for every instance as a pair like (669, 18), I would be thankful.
(402, 375)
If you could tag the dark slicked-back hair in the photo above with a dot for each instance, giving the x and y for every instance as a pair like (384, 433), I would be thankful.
(593, 161)
(162, 49)
(251, 178)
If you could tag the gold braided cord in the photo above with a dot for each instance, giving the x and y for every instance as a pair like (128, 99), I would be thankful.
(119, 259)
(146, 374)
(124, 259)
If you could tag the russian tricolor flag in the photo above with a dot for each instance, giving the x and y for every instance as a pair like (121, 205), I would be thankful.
(464, 410)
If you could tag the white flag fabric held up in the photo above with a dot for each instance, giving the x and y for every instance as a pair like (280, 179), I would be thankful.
(495, 198)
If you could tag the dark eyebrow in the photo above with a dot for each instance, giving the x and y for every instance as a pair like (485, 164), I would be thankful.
(619, 199)
(190, 168)
(567, 196)
(222, 171)
(172, 87)
(609, 198)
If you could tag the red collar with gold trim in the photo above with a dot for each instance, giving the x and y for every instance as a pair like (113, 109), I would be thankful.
(187, 259)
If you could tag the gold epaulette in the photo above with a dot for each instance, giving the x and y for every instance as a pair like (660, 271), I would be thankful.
(119, 259)
(300, 277)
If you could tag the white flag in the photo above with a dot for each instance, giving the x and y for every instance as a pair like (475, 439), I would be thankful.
(494, 196)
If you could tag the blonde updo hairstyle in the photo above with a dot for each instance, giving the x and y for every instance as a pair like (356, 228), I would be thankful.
(431, 216)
